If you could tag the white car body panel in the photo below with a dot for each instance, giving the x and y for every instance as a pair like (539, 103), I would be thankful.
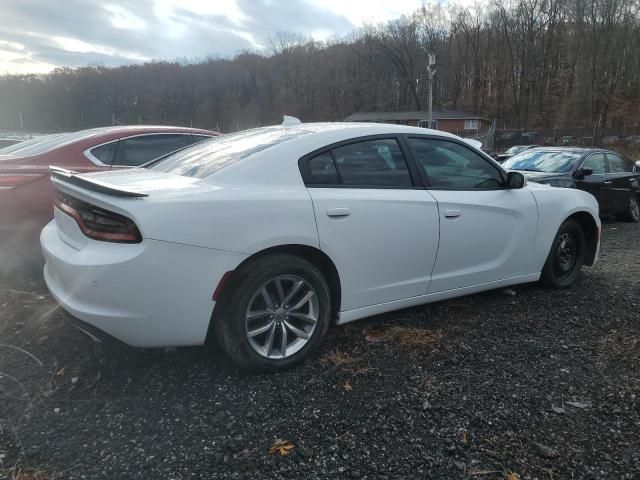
(396, 248)
(485, 236)
(397, 228)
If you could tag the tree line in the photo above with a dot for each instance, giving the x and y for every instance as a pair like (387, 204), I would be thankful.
(527, 63)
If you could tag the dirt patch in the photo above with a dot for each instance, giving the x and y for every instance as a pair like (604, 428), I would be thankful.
(537, 385)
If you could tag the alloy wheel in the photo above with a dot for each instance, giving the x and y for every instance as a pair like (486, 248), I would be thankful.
(282, 316)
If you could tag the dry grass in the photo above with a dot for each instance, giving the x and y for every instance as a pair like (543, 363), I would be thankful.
(346, 362)
(336, 359)
(411, 337)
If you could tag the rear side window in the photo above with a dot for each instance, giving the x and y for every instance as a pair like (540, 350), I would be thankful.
(323, 170)
(617, 164)
(105, 152)
(368, 164)
(135, 151)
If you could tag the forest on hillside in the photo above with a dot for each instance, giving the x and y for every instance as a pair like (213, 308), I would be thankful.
(527, 63)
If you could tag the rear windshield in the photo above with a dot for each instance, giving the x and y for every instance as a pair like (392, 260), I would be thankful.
(543, 161)
(51, 142)
(208, 157)
(27, 143)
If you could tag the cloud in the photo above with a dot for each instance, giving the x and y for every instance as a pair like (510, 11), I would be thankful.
(43, 34)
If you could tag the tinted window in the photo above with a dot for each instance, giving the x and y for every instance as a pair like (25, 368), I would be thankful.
(105, 152)
(206, 158)
(543, 161)
(50, 142)
(450, 165)
(200, 138)
(322, 170)
(596, 163)
(135, 151)
(617, 164)
(372, 163)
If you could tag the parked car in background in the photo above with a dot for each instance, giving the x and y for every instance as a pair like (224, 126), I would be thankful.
(501, 157)
(261, 238)
(6, 142)
(610, 177)
(26, 193)
(11, 148)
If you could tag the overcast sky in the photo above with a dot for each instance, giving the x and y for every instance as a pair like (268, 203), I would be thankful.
(39, 35)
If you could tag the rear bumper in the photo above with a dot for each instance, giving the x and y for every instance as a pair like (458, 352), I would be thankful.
(152, 294)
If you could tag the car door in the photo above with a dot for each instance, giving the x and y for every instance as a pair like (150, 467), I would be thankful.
(374, 219)
(623, 181)
(596, 183)
(140, 149)
(487, 231)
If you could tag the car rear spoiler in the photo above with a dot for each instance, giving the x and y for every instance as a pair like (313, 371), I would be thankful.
(75, 178)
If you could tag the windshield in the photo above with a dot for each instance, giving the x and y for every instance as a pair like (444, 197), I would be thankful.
(27, 143)
(207, 157)
(516, 149)
(542, 161)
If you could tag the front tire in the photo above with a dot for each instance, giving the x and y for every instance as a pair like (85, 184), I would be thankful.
(566, 257)
(274, 313)
(632, 213)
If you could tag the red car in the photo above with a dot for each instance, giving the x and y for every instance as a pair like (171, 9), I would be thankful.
(26, 193)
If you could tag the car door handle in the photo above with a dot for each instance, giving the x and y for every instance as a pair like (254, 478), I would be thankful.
(338, 212)
(452, 213)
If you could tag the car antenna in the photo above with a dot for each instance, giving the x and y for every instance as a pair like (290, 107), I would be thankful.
(288, 120)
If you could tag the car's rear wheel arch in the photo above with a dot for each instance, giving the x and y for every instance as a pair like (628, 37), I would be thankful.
(590, 229)
(313, 255)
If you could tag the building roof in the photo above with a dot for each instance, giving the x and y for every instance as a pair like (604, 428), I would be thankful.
(413, 115)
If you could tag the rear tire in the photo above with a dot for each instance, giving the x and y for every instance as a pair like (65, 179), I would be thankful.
(256, 330)
(566, 257)
(632, 213)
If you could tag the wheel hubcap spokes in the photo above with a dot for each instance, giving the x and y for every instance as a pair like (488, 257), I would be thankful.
(565, 255)
(282, 316)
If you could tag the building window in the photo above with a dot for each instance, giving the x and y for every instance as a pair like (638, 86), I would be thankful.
(425, 124)
(471, 124)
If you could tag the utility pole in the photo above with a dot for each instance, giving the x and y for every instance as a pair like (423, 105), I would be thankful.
(431, 71)
(21, 126)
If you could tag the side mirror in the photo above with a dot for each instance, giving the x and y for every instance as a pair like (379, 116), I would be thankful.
(637, 164)
(516, 180)
(584, 172)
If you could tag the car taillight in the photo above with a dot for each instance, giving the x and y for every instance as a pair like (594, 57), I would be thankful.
(15, 180)
(98, 223)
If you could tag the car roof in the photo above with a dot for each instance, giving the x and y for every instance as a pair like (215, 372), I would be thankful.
(570, 149)
(83, 139)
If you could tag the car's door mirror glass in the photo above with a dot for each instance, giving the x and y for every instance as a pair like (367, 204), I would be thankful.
(516, 180)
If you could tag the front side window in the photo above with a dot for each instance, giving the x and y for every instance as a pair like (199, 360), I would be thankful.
(449, 165)
(617, 164)
(596, 163)
(135, 151)
(372, 163)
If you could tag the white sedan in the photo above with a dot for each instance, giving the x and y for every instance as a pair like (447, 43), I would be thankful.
(260, 239)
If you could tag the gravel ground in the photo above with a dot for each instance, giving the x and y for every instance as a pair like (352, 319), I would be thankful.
(536, 385)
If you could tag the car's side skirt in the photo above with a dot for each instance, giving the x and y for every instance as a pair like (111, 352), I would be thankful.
(358, 313)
